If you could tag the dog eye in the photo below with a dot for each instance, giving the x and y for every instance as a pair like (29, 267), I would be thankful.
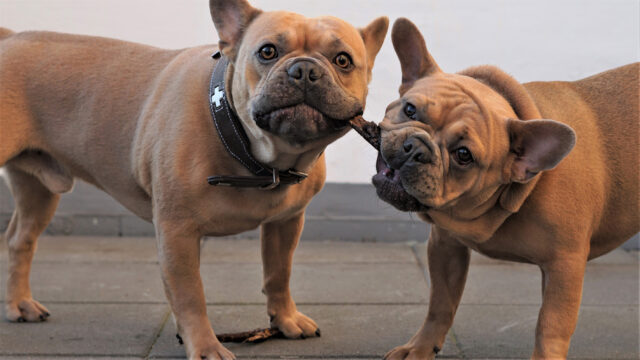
(343, 60)
(268, 52)
(410, 111)
(463, 156)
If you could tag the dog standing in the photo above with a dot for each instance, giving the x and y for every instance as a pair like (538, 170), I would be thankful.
(473, 154)
(135, 121)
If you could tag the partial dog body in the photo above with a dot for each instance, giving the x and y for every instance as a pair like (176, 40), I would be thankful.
(135, 121)
(469, 152)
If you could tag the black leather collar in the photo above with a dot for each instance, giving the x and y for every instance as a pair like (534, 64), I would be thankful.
(236, 142)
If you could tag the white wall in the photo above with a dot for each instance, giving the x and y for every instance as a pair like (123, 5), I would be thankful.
(531, 39)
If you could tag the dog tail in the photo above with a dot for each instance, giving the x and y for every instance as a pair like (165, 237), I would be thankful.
(5, 33)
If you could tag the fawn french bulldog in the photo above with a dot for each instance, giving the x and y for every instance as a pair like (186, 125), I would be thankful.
(543, 173)
(136, 122)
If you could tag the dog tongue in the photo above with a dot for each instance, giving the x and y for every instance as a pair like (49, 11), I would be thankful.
(369, 130)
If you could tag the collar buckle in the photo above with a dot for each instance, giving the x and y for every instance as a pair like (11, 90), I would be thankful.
(298, 175)
(276, 181)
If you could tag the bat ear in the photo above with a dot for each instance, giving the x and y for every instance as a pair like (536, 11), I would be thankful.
(373, 36)
(415, 60)
(537, 145)
(231, 18)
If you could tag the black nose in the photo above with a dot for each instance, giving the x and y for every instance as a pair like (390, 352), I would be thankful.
(304, 72)
(413, 150)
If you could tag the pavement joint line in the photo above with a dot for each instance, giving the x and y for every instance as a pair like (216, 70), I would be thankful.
(422, 265)
(67, 356)
(157, 333)
(293, 357)
(308, 217)
(425, 271)
(142, 262)
(456, 342)
(74, 302)
(62, 302)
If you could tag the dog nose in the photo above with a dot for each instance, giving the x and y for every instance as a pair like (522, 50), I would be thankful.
(413, 150)
(417, 150)
(304, 71)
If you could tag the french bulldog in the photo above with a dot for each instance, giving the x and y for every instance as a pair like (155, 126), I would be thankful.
(135, 121)
(543, 173)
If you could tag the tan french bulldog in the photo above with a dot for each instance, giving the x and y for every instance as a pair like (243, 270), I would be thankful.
(475, 154)
(135, 121)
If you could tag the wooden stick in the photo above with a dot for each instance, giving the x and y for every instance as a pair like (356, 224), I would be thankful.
(250, 337)
(369, 130)
(253, 336)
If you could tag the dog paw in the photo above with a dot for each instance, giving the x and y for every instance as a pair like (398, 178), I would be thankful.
(412, 352)
(215, 351)
(295, 325)
(26, 310)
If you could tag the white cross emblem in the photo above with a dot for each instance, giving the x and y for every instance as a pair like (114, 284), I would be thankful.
(217, 96)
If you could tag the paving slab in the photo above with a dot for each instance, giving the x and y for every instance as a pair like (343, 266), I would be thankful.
(521, 284)
(237, 251)
(143, 249)
(97, 282)
(229, 283)
(508, 331)
(352, 290)
(84, 357)
(347, 330)
(93, 249)
(85, 330)
(618, 256)
(320, 283)
(341, 211)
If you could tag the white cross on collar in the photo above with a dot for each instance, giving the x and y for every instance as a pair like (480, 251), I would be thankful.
(217, 96)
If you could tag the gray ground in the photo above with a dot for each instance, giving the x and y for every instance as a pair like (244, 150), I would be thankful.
(106, 298)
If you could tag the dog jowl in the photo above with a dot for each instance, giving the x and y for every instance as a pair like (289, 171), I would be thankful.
(503, 168)
(139, 127)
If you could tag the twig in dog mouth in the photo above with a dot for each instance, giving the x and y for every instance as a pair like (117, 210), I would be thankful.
(369, 130)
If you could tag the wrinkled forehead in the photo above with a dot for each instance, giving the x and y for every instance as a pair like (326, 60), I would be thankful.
(446, 97)
(440, 99)
(438, 89)
(295, 30)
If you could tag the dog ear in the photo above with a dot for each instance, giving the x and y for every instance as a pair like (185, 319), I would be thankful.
(231, 18)
(373, 36)
(415, 60)
(537, 145)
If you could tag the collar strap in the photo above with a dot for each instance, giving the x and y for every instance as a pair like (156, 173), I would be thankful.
(236, 142)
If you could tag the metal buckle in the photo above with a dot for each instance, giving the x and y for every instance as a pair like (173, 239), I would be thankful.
(298, 174)
(276, 180)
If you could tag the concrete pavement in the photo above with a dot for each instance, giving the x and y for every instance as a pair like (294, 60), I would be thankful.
(106, 300)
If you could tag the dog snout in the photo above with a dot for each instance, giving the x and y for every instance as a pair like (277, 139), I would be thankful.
(412, 151)
(303, 72)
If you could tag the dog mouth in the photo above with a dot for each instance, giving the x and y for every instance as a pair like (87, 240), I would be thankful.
(389, 188)
(300, 122)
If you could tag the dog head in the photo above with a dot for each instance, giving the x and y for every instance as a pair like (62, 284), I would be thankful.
(296, 81)
(451, 141)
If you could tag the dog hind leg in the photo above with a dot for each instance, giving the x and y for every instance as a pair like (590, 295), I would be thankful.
(34, 208)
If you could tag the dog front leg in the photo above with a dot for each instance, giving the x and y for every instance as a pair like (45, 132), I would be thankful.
(448, 265)
(561, 298)
(179, 252)
(279, 240)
